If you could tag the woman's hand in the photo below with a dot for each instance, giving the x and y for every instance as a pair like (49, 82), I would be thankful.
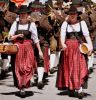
(16, 36)
(63, 47)
(20, 35)
(90, 53)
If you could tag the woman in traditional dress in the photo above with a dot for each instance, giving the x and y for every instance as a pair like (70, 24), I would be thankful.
(73, 69)
(23, 32)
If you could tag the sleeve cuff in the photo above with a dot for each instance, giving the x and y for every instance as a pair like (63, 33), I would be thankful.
(36, 41)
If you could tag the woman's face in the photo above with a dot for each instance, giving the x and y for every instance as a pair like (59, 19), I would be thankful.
(23, 16)
(73, 17)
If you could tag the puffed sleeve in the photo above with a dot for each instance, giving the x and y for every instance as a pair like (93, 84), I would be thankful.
(13, 28)
(86, 35)
(84, 28)
(63, 31)
(34, 35)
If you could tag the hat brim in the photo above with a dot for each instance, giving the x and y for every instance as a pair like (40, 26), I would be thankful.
(20, 12)
(69, 13)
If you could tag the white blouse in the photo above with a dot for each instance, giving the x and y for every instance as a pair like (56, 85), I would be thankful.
(33, 30)
(76, 27)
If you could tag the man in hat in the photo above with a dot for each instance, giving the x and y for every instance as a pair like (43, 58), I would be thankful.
(73, 70)
(43, 64)
(22, 32)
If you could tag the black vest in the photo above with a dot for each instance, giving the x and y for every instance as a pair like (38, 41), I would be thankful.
(27, 33)
(73, 35)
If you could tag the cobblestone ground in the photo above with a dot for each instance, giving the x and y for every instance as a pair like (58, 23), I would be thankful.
(50, 92)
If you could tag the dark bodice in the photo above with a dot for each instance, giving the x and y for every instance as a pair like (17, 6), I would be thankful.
(71, 35)
(27, 33)
(74, 35)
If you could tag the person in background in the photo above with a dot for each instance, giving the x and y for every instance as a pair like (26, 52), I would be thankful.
(73, 70)
(54, 40)
(92, 35)
(4, 28)
(42, 64)
(22, 33)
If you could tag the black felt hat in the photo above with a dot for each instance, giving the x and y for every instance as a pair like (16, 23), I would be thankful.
(73, 10)
(23, 9)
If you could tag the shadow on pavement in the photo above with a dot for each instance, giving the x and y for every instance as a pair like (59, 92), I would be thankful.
(28, 94)
(66, 93)
(17, 93)
(63, 93)
(3, 77)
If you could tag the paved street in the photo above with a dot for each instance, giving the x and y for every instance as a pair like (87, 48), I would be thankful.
(9, 92)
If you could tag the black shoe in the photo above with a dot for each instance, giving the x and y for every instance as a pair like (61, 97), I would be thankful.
(81, 95)
(52, 71)
(40, 85)
(22, 93)
(71, 93)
